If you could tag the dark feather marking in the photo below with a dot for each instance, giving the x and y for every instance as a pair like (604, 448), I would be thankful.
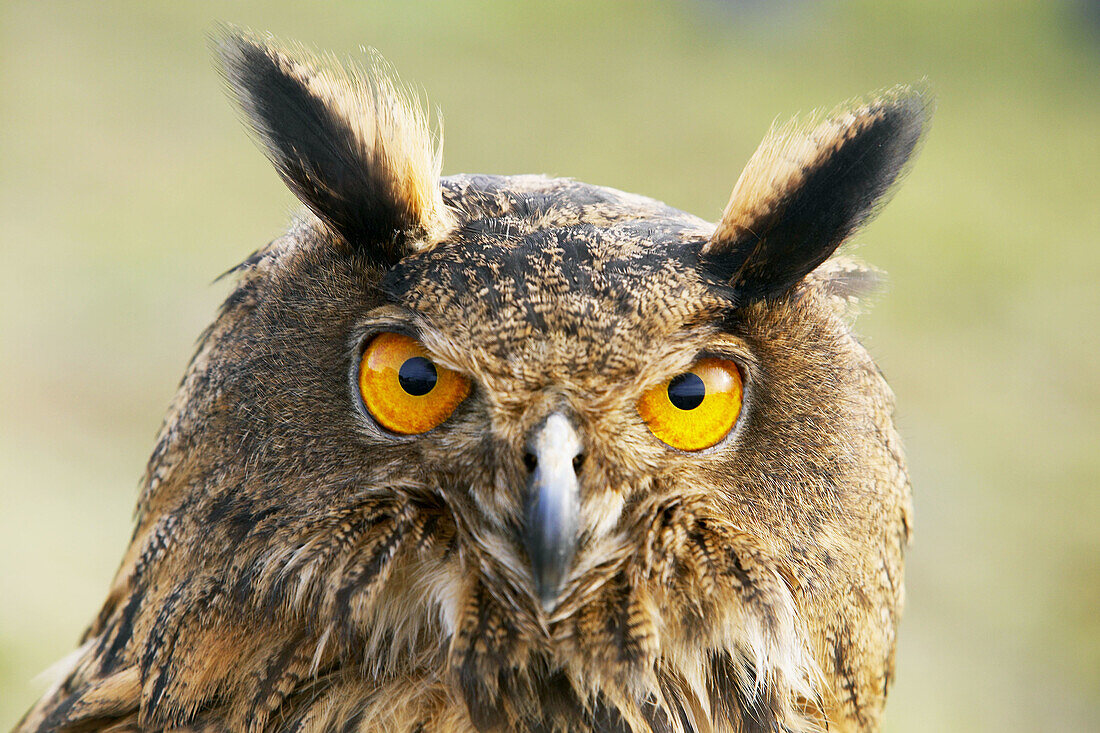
(158, 661)
(351, 725)
(731, 703)
(484, 672)
(279, 677)
(658, 717)
(369, 568)
(557, 703)
(59, 716)
(157, 544)
(339, 532)
(606, 718)
(123, 631)
(847, 675)
(620, 627)
(735, 568)
(156, 642)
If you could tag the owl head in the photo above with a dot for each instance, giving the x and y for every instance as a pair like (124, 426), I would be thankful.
(514, 452)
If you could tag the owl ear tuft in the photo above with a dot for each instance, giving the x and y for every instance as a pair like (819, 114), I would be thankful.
(349, 144)
(806, 190)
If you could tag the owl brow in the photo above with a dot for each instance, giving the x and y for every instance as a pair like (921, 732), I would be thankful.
(731, 321)
(386, 318)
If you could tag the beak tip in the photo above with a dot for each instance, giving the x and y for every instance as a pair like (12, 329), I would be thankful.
(548, 598)
(549, 574)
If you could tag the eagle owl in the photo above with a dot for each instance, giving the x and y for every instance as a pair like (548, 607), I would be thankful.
(516, 453)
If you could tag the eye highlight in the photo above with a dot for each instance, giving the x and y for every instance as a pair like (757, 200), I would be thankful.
(696, 409)
(405, 391)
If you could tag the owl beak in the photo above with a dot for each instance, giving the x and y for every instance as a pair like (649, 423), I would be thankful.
(552, 505)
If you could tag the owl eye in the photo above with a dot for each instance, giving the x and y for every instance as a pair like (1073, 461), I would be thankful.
(696, 409)
(403, 389)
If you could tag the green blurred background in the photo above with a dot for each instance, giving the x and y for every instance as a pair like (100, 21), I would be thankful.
(127, 184)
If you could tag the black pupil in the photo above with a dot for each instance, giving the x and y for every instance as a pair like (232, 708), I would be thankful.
(687, 391)
(417, 376)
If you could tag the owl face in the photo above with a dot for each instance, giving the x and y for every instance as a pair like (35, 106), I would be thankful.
(541, 317)
(523, 453)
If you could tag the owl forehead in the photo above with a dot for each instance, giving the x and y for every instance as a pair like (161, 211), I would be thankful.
(563, 274)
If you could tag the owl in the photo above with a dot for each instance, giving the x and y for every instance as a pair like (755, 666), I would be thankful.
(517, 453)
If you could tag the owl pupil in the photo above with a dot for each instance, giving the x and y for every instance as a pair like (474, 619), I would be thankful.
(417, 376)
(687, 391)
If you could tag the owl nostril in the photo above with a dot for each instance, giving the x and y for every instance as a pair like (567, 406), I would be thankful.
(531, 462)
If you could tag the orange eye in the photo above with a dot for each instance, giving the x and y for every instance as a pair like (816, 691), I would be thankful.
(696, 409)
(405, 391)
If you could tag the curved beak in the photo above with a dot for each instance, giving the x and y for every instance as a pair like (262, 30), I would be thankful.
(552, 504)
